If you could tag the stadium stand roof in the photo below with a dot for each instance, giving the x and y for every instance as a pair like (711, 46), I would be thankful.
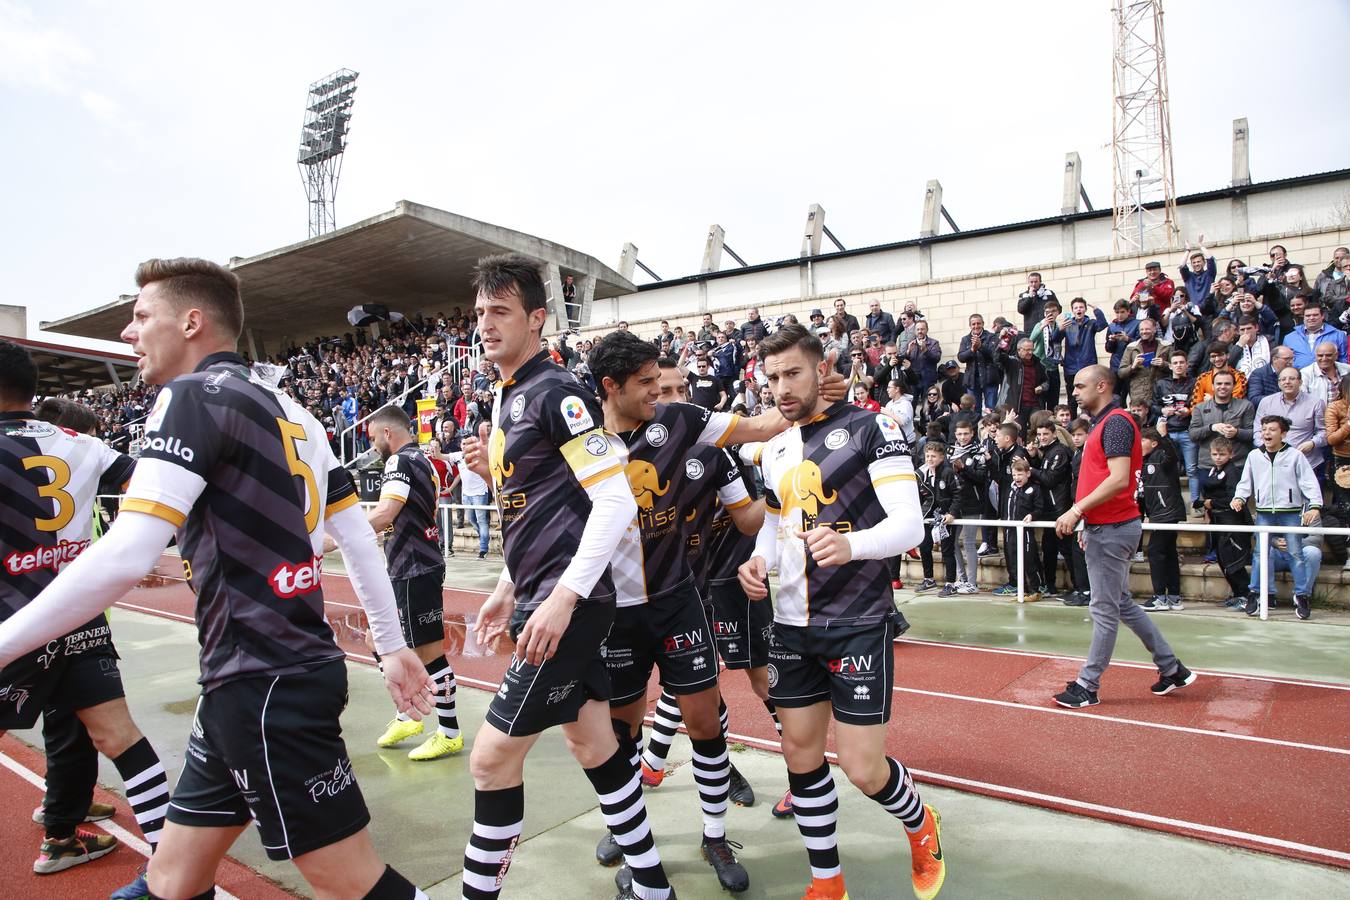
(411, 259)
(62, 368)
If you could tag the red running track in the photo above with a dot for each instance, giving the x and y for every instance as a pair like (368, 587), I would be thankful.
(1244, 760)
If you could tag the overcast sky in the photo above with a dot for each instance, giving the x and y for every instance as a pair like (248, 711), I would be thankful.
(139, 129)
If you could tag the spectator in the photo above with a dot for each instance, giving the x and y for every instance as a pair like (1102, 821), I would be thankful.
(850, 321)
(705, 389)
(707, 332)
(755, 328)
(1154, 290)
(880, 323)
(1284, 491)
(1338, 439)
(1223, 415)
(1328, 275)
(1021, 502)
(569, 292)
(1323, 378)
(924, 354)
(1224, 299)
(665, 334)
(977, 354)
(1306, 414)
(937, 490)
(837, 342)
(1160, 490)
(970, 463)
(1254, 347)
(818, 326)
(1080, 342)
(1006, 449)
(906, 329)
(1222, 331)
(965, 412)
(1218, 362)
(1312, 332)
(1052, 462)
(1081, 594)
(932, 411)
(1031, 302)
(1121, 331)
(1023, 380)
(862, 397)
(726, 361)
(1047, 342)
(1232, 548)
(1333, 286)
(1198, 270)
(1172, 400)
(476, 494)
(1143, 363)
(1243, 278)
(953, 386)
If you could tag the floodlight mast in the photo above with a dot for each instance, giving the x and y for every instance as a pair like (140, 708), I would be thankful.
(323, 138)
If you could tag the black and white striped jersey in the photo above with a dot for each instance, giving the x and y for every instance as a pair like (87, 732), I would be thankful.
(414, 547)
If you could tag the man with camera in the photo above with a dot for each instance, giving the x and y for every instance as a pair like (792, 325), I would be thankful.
(1031, 302)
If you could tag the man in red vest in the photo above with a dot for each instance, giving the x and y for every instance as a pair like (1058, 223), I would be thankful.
(1107, 519)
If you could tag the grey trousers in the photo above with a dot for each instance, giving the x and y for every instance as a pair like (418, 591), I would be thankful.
(1108, 552)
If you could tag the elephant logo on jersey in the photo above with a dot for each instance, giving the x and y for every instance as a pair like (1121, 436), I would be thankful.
(496, 464)
(801, 488)
(645, 482)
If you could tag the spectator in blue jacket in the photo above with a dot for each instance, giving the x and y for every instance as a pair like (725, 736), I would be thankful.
(1122, 331)
(1314, 330)
(1265, 380)
(1198, 270)
(1080, 342)
(977, 354)
(924, 354)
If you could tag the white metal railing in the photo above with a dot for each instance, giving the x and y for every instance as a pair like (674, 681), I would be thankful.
(1261, 531)
(462, 356)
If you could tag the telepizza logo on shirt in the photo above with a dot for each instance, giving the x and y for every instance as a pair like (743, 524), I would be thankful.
(292, 579)
(850, 665)
(54, 558)
(683, 641)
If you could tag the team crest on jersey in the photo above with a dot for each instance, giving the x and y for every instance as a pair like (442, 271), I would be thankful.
(155, 420)
(693, 468)
(657, 434)
(517, 408)
(575, 414)
(597, 445)
(837, 438)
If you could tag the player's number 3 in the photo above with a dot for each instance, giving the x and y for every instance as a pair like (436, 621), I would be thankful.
(54, 490)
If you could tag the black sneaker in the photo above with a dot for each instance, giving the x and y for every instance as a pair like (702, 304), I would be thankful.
(740, 792)
(1301, 606)
(623, 880)
(926, 585)
(730, 873)
(1077, 598)
(1253, 607)
(1169, 683)
(482, 554)
(948, 590)
(986, 550)
(1075, 696)
(901, 623)
(608, 852)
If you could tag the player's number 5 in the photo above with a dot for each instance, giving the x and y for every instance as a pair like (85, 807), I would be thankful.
(53, 490)
(291, 436)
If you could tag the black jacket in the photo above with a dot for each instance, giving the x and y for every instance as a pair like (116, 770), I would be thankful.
(1021, 502)
(1051, 473)
(1001, 468)
(937, 490)
(972, 479)
(1219, 484)
(883, 323)
(1032, 307)
(1160, 485)
(981, 365)
(1171, 392)
(1014, 375)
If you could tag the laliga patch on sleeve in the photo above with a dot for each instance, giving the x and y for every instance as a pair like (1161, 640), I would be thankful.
(890, 429)
(155, 421)
(576, 415)
(391, 464)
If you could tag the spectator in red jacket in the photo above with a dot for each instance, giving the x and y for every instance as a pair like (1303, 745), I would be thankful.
(1156, 285)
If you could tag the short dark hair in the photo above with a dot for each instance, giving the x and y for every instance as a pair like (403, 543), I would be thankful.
(1248, 320)
(665, 362)
(494, 275)
(1179, 352)
(1281, 421)
(1224, 373)
(1312, 303)
(67, 414)
(1219, 347)
(200, 282)
(392, 417)
(619, 355)
(789, 336)
(1221, 443)
(1081, 424)
(18, 375)
(936, 445)
(1011, 429)
(1151, 434)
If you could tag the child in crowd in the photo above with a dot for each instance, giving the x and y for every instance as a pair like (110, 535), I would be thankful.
(1081, 594)
(1217, 487)
(937, 490)
(1161, 503)
(1022, 501)
(971, 465)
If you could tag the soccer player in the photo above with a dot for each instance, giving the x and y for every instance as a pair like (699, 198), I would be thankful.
(246, 480)
(840, 497)
(408, 497)
(52, 476)
(565, 506)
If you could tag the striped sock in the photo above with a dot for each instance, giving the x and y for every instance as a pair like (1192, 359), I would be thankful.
(497, 820)
(393, 886)
(773, 712)
(147, 788)
(625, 812)
(900, 799)
(444, 676)
(723, 716)
(665, 721)
(815, 806)
(712, 773)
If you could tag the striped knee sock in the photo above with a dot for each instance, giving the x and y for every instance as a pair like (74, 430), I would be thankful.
(712, 773)
(444, 676)
(147, 788)
(497, 820)
(665, 722)
(815, 806)
(393, 886)
(723, 716)
(773, 712)
(625, 813)
(899, 798)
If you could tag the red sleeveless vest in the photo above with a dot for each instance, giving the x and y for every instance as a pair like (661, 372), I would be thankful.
(1093, 471)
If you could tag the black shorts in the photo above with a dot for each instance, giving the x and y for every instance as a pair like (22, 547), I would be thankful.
(741, 626)
(671, 633)
(271, 749)
(851, 667)
(421, 611)
(533, 698)
(73, 672)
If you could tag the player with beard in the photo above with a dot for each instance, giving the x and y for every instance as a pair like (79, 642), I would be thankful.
(840, 498)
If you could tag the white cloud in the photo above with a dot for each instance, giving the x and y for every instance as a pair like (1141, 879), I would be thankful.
(105, 109)
(32, 56)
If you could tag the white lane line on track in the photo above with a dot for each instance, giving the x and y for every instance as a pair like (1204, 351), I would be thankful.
(1214, 673)
(108, 825)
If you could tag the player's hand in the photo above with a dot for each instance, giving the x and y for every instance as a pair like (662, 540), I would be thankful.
(476, 452)
(494, 616)
(826, 546)
(833, 387)
(408, 684)
(541, 635)
(751, 575)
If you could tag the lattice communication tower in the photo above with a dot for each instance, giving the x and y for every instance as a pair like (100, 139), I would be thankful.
(323, 138)
(1144, 199)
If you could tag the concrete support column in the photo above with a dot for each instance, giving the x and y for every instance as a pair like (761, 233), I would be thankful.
(811, 238)
(628, 260)
(256, 348)
(932, 209)
(712, 249)
(557, 311)
(586, 294)
(1073, 184)
(112, 373)
(1242, 177)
